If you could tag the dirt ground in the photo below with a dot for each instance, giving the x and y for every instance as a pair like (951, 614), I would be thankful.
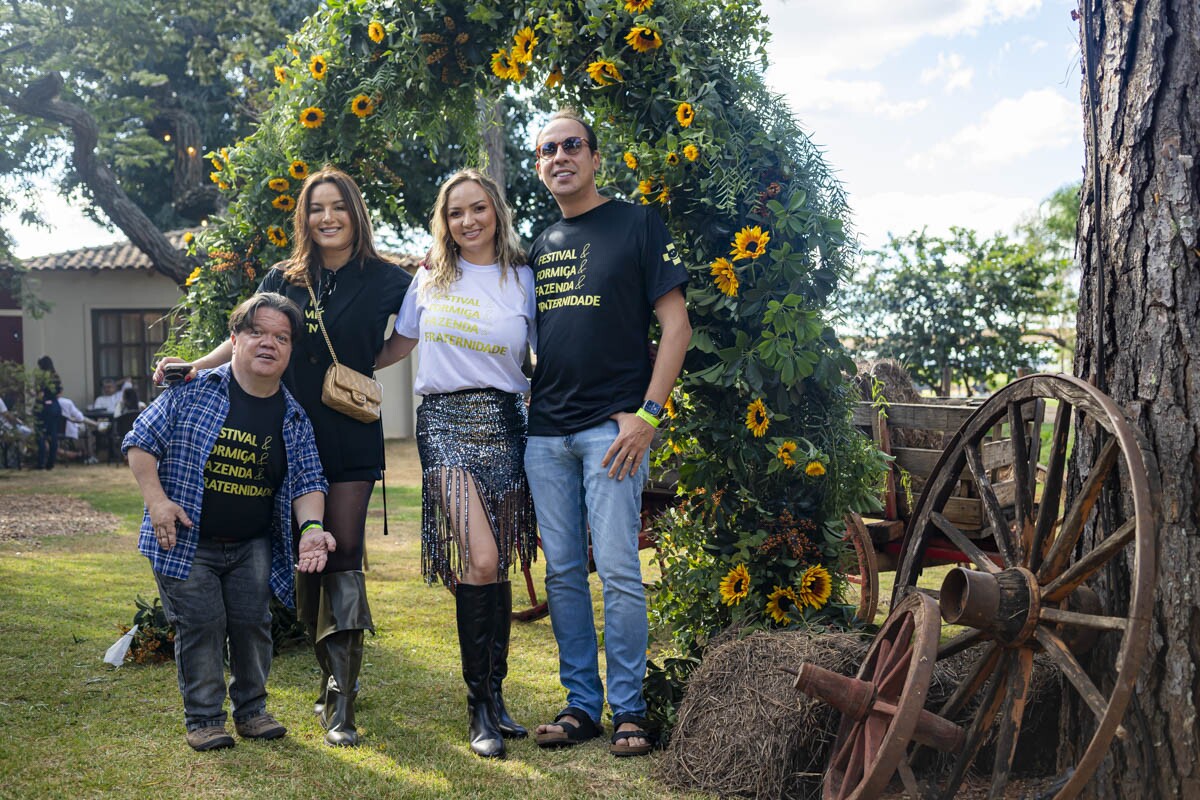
(27, 514)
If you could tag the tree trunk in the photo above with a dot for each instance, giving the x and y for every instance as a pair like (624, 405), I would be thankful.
(193, 195)
(40, 100)
(492, 124)
(1139, 314)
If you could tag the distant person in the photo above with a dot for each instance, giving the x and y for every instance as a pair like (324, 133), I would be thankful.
(49, 413)
(224, 462)
(130, 403)
(13, 433)
(79, 428)
(109, 399)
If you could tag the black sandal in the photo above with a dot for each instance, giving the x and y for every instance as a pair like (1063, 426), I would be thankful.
(625, 750)
(570, 734)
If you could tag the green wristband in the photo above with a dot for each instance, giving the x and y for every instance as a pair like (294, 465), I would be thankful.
(649, 418)
(310, 524)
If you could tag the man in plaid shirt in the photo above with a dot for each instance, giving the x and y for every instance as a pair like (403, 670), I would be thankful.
(223, 462)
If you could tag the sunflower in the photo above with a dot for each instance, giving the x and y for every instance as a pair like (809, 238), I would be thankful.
(223, 186)
(375, 31)
(665, 195)
(642, 39)
(646, 186)
(630, 160)
(669, 407)
(691, 152)
(554, 78)
(604, 73)
(280, 74)
(216, 163)
(784, 453)
(317, 66)
(685, 114)
(517, 68)
(523, 44)
(278, 184)
(778, 603)
(189, 237)
(298, 170)
(276, 236)
(735, 586)
(362, 106)
(507, 65)
(638, 6)
(215, 177)
(814, 469)
(815, 586)
(672, 159)
(750, 243)
(312, 117)
(725, 276)
(285, 202)
(195, 276)
(756, 418)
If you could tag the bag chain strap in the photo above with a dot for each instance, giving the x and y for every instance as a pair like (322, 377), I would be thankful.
(320, 321)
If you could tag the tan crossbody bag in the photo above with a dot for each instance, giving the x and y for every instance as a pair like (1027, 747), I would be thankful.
(345, 390)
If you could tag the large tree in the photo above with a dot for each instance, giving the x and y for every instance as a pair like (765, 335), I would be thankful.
(1139, 249)
(136, 91)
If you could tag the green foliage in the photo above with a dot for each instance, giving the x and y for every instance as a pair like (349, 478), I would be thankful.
(687, 127)
(136, 67)
(958, 304)
(154, 641)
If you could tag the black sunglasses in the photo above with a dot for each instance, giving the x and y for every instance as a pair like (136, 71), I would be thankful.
(570, 145)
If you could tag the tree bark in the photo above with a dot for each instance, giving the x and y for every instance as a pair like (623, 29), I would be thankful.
(193, 195)
(492, 125)
(1139, 313)
(41, 100)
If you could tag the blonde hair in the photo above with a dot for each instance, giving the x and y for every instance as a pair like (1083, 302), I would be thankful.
(304, 266)
(442, 260)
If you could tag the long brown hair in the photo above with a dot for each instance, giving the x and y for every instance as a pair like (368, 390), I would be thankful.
(304, 266)
(443, 256)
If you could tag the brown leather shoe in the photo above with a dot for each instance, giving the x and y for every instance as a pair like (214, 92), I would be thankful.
(264, 726)
(213, 737)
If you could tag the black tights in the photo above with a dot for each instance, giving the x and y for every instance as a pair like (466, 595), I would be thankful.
(346, 519)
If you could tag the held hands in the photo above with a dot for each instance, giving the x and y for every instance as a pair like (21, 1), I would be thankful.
(159, 375)
(164, 514)
(632, 442)
(315, 546)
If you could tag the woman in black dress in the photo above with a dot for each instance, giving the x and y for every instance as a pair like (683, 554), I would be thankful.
(49, 413)
(357, 290)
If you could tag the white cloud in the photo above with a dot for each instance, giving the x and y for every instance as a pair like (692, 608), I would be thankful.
(830, 37)
(950, 72)
(859, 97)
(1039, 119)
(877, 215)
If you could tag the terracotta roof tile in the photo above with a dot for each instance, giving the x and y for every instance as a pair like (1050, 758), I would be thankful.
(124, 255)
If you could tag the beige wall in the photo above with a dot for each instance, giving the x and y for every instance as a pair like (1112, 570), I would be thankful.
(65, 333)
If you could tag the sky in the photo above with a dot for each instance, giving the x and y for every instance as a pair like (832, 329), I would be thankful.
(932, 113)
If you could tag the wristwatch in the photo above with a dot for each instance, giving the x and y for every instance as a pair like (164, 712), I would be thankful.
(651, 413)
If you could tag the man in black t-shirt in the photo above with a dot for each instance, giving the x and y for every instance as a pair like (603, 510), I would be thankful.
(600, 273)
(225, 461)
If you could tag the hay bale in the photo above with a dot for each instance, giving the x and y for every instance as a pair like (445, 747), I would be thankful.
(744, 730)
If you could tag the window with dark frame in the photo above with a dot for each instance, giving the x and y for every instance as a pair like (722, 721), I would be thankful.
(124, 344)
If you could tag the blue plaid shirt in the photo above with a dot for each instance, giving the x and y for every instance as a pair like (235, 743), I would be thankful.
(180, 429)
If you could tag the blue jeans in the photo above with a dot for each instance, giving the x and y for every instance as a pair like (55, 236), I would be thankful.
(226, 596)
(572, 493)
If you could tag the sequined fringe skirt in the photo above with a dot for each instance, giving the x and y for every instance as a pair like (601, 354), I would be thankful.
(473, 441)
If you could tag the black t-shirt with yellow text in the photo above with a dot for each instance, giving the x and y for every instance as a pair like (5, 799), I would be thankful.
(245, 468)
(598, 276)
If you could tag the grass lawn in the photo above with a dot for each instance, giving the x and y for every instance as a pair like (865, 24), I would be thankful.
(72, 726)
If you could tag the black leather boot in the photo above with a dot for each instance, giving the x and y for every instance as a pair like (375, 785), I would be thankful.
(475, 606)
(342, 620)
(308, 601)
(501, 628)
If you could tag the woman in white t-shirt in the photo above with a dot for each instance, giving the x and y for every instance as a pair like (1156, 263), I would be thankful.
(472, 309)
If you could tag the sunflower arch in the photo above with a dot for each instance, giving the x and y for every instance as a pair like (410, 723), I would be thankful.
(767, 461)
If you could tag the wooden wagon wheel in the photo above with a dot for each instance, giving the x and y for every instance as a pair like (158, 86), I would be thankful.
(867, 579)
(1037, 598)
(881, 707)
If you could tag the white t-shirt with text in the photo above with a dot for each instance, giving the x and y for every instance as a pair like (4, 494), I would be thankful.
(474, 335)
